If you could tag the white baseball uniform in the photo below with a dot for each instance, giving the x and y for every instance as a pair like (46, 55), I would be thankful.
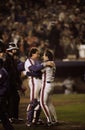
(33, 82)
(47, 87)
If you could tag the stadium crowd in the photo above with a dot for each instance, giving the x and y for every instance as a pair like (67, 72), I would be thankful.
(55, 24)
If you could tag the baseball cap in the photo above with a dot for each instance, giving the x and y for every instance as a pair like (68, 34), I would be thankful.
(12, 46)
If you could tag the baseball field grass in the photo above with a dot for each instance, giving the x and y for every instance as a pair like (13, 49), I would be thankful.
(70, 111)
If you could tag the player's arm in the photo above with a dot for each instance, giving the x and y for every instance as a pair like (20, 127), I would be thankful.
(33, 74)
(39, 67)
(36, 68)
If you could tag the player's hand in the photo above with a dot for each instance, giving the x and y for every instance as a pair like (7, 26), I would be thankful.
(50, 63)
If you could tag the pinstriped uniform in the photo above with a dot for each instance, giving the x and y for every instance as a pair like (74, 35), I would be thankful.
(48, 77)
(33, 83)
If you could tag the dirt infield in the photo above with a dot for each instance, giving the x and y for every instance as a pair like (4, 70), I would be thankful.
(61, 126)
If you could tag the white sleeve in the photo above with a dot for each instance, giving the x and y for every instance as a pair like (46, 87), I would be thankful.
(26, 65)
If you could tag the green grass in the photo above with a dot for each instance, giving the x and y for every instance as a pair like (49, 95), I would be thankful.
(72, 112)
(69, 108)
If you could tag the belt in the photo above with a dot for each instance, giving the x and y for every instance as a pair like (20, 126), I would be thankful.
(49, 81)
(37, 78)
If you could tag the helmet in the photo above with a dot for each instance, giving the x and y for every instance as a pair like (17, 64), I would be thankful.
(12, 46)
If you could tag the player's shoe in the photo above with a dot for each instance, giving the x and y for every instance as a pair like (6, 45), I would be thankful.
(49, 124)
(39, 122)
(55, 123)
(28, 124)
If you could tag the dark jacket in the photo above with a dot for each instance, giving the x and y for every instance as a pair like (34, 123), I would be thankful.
(3, 82)
(13, 72)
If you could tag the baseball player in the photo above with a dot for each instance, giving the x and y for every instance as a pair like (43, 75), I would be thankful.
(34, 84)
(48, 76)
(32, 65)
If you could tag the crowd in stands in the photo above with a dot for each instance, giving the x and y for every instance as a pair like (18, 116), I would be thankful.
(55, 24)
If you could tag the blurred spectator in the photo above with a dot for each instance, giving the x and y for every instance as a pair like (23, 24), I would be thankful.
(69, 85)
